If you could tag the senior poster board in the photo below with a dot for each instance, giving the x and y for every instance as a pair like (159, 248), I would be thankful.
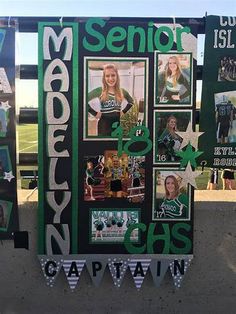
(218, 112)
(98, 202)
(8, 198)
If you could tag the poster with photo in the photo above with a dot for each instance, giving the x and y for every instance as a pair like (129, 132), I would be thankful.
(173, 79)
(218, 110)
(111, 225)
(100, 126)
(115, 92)
(113, 176)
(8, 197)
(94, 181)
(124, 176)
(166, 140)
(171, 199)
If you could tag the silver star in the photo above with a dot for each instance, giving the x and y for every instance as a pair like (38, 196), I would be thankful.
(5, 105)
(188, 176)
(189, 136)
(8, 176)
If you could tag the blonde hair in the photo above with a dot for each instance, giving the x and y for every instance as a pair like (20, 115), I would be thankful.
(176, 186)
(178, 70)
(172, 132)
(118, 92)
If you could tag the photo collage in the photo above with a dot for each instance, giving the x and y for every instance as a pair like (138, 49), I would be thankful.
(117, 153)
(115, 101)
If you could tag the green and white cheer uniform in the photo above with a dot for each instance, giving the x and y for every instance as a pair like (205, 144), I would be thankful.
(110, 109)
(174, 208)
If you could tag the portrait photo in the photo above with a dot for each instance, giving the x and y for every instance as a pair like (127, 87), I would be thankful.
(115, 94)
(225, 114)
(173, 79)
(166, 141)
(171, 199)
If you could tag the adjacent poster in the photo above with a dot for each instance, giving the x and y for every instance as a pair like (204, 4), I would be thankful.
(117, 100)
(8, 203)
(218, 112)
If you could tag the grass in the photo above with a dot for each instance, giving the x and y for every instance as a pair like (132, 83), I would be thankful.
(27, 143)
(28, 138)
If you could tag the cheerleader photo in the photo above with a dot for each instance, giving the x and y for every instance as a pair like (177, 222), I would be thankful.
(111, 225)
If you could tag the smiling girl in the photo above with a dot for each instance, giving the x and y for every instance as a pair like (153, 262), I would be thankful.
(175, 85)
(174, 204)
(169, 141)
(110, 97)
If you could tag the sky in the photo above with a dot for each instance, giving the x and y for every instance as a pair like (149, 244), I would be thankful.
(142, 8)
(27, 43)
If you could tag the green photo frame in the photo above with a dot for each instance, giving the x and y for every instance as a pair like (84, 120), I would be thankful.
(171, 199)
(109, 225)
(123, 100)
(166, 141)
(173, 79)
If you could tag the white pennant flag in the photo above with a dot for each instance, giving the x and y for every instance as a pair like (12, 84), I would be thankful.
(118, 267)
(73, 269)
(158, 268)
(51, 267)
(96, 268)
(138, 268)
(178, 269)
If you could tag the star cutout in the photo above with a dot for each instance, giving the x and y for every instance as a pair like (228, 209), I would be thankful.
(188, 155)
(5, 105)
(189, 136)
(8, 176)
(188, 176)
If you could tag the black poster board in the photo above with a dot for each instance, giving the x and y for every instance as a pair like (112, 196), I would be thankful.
(110, 90)
(8, 203)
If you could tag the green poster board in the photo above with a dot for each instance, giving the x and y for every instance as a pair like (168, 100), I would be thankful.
(218, 111)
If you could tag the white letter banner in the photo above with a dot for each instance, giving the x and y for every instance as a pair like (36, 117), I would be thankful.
(73, 269)
(138, 268)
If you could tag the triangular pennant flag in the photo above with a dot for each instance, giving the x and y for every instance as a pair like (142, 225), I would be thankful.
(73, 269)
(158, 268)
(178, 269)
(96, 268)
(51, 266)
(138, 268)
(118, 267)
